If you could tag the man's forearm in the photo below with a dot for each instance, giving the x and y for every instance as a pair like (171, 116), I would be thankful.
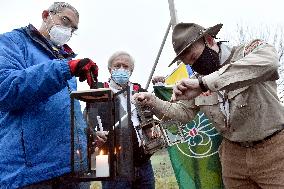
(182, 110)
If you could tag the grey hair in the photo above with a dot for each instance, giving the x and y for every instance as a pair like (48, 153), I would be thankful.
(57, 7)
(119, 53)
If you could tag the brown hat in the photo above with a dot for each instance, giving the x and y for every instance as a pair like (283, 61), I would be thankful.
(185, 34)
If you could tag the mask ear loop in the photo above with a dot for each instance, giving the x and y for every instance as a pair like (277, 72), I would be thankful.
(49, 14)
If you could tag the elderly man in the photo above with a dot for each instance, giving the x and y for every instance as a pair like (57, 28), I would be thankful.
(236, 89)
(121, 66)
(36, 77)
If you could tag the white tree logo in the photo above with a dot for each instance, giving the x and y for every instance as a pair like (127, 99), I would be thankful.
(201, 138)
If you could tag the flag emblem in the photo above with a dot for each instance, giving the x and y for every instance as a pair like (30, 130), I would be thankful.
(199, 137)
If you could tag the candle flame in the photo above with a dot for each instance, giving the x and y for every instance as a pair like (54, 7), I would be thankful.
(117, 149)
(101, 152)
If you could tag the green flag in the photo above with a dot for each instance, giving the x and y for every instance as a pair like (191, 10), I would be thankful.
(196, 161)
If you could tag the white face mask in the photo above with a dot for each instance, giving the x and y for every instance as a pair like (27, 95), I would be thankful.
(59, 35)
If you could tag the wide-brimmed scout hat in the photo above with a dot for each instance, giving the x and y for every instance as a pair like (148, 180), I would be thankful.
(185, 34)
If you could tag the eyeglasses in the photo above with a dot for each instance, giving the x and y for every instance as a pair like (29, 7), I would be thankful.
(65, 21)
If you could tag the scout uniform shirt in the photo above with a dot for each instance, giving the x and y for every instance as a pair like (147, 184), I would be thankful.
(249, 109)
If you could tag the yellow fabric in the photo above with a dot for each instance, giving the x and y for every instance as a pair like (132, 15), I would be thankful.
(177, 75)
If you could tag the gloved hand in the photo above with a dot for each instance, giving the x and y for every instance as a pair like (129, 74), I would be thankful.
(84, 69)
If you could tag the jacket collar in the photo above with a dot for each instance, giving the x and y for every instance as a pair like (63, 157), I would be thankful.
(58, 52)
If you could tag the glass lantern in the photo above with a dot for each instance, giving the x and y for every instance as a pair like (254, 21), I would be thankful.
(156, 134)
(149, 130)
(111, 160)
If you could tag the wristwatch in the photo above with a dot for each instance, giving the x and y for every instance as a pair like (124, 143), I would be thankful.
(201, 84)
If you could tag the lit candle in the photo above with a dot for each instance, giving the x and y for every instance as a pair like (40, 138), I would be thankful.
(102, 166)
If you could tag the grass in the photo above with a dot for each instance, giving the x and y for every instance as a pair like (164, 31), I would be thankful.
(164, 174)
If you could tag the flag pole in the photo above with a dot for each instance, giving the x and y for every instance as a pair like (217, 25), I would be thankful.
(172, 23)
(173, 13)
(158, 56)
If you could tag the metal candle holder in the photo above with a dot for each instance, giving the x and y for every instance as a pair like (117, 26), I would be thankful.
(155, 134)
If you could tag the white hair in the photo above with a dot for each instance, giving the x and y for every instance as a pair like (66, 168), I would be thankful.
(57, 7)
(119, 53)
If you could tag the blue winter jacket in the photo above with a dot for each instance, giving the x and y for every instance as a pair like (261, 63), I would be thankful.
(34, 109)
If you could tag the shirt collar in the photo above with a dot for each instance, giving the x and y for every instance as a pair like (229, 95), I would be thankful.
(225, 52)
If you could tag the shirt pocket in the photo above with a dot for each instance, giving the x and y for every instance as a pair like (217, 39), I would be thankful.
(243, 107)
(210, 106)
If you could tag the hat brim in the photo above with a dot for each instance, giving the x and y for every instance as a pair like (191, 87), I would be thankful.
(212, 31)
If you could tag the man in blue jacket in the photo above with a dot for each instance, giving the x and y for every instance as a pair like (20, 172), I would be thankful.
(36, 76)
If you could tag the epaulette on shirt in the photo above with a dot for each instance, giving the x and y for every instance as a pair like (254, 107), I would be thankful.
(253, 46)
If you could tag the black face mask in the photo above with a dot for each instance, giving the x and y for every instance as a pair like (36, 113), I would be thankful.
(207, 63)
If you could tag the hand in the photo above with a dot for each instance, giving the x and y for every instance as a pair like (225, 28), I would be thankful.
(84, 69)
(101, 138)
(151, 133)
(186, 89)
(144, 98)
(157, 80)
(207, 93)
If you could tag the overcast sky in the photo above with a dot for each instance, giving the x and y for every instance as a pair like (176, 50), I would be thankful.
(138, 26)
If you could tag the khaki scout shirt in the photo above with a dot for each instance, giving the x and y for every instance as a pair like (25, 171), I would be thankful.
(249, 79)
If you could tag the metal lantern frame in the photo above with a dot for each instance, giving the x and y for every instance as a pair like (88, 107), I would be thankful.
(150, 134)
(119, 165)
(165, 133)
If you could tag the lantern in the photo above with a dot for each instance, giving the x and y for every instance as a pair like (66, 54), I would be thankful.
(101, 114)
(157, 134)
(149, 131)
